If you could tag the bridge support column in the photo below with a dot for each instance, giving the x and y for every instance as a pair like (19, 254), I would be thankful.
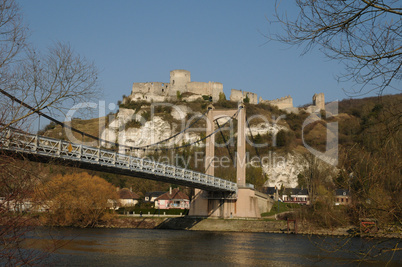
(199, 204)
(248, 204)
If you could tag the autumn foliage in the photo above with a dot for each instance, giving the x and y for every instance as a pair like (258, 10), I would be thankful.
(77, 199)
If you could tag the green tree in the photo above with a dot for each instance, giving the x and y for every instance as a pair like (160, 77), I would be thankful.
(222, 97)
(281, 138)
(255, 176)
(246, 99)
(178, 95)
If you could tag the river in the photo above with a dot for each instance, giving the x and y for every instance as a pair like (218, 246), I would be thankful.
(137, 247)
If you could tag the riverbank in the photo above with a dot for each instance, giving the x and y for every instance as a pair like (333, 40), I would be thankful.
(233, 225)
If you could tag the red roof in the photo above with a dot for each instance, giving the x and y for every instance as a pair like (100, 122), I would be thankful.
(176, 194)
(125, 193)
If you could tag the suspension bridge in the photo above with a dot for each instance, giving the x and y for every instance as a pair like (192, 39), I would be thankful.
(46, 149)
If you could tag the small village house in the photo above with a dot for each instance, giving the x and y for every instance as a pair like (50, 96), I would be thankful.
(174, 199)
(342, 197)
(296, 195)
(127, 198)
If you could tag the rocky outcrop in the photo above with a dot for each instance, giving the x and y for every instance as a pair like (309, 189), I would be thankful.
(264, 128)
(283, 169)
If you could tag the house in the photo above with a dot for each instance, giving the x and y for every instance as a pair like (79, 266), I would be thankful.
(342, 197)
(174, 199)
(127, 198)
(296, 195)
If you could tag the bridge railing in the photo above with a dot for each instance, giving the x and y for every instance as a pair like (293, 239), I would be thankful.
(13, 140)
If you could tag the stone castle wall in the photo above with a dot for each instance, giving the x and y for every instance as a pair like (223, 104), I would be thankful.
(281, 103)
(239, 95)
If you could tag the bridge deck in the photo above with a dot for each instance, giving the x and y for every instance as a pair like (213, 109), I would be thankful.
(46, 149)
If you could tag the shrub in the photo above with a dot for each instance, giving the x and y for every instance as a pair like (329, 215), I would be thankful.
(222, 97)
(136, 105)
(205, 97)
(179, 96)
(246, 100)
(133, 124)
(146, 115)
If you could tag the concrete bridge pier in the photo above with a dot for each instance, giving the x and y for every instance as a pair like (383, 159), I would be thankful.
(248, 204)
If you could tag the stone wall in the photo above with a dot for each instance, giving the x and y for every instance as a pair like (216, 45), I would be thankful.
(158, 88)
(236, 95)
(239, 95)
(281, 103)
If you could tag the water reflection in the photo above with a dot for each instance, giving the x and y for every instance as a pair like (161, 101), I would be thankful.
(116, 247)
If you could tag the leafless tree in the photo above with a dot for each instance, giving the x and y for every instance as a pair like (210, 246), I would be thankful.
(17, 181)
(48, 82)
(12, 33)
(363, 34)
(51, 83)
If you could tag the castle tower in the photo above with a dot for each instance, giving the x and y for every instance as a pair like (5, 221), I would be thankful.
(179, 80)
(319, 101)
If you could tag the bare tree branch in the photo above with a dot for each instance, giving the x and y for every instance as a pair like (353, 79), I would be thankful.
(363, 34)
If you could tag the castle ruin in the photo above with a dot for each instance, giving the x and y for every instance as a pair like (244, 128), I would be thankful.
(181, 87)
(180, 83)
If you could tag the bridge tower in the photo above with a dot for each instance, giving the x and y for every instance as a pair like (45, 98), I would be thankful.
(247, 202)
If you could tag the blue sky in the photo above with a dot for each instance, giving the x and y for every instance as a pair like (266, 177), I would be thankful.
(221, 41)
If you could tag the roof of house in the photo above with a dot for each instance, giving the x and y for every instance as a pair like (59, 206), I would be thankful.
(295, 191)
(176, 194)
(154, 194)
(125, 193)
(269, 190)
(342, 192)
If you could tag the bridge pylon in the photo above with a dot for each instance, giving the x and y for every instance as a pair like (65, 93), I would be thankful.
(246, 202)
